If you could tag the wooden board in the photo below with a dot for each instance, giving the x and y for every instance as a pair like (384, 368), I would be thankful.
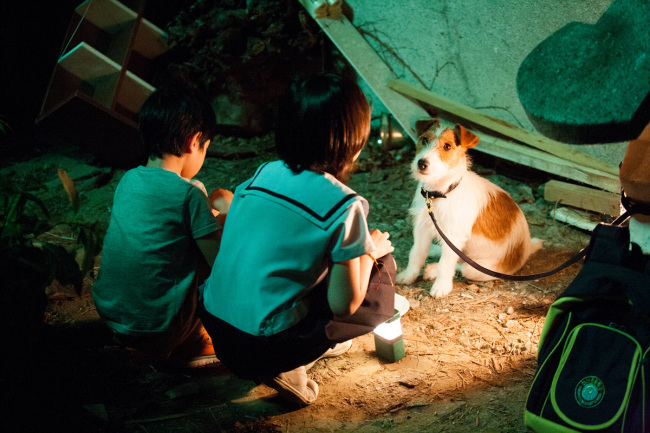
(546, 162)
(151, 41)
(583, 197)
(370, 67)
(134, 92)
(88, 64)
(502, 127)
(582, 220)
(109, 15)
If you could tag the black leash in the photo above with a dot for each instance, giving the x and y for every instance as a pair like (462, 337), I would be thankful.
(429, 196)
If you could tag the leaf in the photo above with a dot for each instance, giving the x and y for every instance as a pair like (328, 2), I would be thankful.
(14, 208)
(92, 238)
(99, 410)
(70, 188)
(17, 223)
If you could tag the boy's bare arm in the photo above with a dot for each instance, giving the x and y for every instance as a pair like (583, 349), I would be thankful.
(209, 244)
(220, 200)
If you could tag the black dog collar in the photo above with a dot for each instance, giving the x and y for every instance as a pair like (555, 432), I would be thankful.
(429, 195)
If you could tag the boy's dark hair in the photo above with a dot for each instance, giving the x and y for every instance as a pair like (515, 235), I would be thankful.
(171, 115)
(323, 122)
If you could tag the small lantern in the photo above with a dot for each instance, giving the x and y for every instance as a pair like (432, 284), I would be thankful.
(389, 343)
(391, 136)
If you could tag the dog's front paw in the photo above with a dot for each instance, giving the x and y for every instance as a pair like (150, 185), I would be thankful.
(441, 288)
(430, 272)
(407, 276)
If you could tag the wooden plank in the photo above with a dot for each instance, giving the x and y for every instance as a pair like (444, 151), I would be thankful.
(502, 127)
(150, 41)
(134, 92)
(88, 64)
(543, 161)
(109, 15)
(582, 220)
(372, 68)
(374, 71)
(582, 197)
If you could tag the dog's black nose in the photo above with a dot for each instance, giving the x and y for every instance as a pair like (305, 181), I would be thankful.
(423, 164)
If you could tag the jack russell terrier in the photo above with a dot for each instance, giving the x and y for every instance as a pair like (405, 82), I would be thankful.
(477, 216)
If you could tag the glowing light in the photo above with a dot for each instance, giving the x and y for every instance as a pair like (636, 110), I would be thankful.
(390, 134)
(389, 330)
(389, 342)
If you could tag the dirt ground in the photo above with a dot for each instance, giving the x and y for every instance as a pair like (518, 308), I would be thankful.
(470, 357)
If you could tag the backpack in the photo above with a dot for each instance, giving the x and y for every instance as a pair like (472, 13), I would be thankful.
(592, 370)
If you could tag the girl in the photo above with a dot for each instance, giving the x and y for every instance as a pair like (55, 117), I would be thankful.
(292, 276)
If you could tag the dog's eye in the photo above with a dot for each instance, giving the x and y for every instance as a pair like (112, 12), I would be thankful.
(447, 146)
(424, 141)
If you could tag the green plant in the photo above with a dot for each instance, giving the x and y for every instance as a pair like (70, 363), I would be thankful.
(29, 265)
(252, 47)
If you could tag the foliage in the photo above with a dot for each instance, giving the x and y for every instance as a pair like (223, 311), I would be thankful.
(251, 48)
(30, 265)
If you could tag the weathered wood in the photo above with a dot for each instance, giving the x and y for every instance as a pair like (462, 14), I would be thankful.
(152, 41)
(581, 219)
(372, 68)
(134, 92)
(111, 15)
(88, 64)
(583, 197)
(543, 161)
(502, 127)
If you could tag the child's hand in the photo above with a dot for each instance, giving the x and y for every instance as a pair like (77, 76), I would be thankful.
(382, 243)
(220, 200)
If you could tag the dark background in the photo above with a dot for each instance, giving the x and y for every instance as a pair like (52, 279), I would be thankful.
(31, 39)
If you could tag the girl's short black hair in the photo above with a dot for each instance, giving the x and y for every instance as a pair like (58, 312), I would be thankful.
(171, 115)
(323, 122)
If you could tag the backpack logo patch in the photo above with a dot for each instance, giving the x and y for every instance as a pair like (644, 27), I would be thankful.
(590, 392)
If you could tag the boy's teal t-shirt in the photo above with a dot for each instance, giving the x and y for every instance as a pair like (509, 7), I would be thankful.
(150, 256)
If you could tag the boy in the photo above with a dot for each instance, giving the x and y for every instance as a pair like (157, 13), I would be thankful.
(163, 236)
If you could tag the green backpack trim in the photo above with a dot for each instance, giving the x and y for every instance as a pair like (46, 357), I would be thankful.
(539, 424)
(633, 371)
(555, 313)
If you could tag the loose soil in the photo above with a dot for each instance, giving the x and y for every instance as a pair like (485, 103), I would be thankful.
(470, 357)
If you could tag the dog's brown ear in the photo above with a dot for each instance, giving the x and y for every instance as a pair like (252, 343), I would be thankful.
(466, 138)
(422, 126)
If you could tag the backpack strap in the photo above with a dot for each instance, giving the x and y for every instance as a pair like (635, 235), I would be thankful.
(609, 244)
(611, 257)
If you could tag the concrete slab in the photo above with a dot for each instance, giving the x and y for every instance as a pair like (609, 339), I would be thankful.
(470, 51)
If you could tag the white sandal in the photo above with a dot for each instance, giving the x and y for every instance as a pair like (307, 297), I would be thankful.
(294, 386)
